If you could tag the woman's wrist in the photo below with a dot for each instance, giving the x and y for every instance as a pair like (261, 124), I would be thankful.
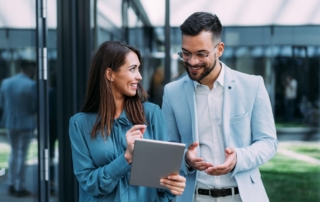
(128, 156)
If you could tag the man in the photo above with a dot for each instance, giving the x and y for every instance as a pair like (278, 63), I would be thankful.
(18, 102)
(223, 116)
(290, 93)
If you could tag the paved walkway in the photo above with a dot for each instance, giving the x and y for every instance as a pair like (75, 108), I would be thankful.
(298, 156)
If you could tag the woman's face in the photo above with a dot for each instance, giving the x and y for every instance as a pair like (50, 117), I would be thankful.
(125, 81)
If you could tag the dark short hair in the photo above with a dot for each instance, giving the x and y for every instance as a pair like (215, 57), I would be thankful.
(25, 64)
(202, 21)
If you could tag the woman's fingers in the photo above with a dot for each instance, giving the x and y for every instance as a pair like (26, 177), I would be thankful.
(175, 190)
(133, 133)
(139, 127)
(175, 183)
(136, 131)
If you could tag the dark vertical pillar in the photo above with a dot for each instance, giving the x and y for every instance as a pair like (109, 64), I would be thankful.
(167, 64)
(125, 26)
(74, 44)
(43, 114)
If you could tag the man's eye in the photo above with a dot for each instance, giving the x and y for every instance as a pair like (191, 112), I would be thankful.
(186, 54)
(201, 55)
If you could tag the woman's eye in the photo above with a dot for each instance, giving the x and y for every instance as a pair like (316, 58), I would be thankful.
(132, 69)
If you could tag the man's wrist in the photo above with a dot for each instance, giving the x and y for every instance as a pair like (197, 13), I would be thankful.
(189, 167)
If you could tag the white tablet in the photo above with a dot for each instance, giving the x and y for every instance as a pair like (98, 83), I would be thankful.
(154, 159)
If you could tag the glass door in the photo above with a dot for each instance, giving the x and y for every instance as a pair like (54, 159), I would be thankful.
(18, 101)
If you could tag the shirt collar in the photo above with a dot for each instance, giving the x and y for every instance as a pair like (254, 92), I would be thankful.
(220, 79)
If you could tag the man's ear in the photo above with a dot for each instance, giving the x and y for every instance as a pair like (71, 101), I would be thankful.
(220, 49)
(109, 74)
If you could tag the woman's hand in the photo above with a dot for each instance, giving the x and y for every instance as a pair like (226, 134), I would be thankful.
(133, 133)
(175, 183)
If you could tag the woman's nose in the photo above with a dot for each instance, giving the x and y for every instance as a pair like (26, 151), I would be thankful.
(138, 76)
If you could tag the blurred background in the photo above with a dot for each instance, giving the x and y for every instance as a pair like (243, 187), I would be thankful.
(277, 39)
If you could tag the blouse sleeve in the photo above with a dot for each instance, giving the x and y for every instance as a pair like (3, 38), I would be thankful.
(94, 180)
(159, 133)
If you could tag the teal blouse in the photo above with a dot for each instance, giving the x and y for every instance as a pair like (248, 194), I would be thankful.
(99, 164)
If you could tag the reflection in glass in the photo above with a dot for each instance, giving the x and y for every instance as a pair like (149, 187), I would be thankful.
(18, 99)
(18, 102)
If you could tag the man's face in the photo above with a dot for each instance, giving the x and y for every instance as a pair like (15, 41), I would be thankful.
(203, 55)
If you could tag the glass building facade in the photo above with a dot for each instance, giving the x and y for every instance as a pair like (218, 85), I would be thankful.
(61, 36)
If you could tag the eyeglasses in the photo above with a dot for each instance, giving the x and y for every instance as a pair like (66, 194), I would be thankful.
(186, 56)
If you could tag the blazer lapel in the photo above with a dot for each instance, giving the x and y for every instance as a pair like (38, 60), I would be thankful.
(227, 100)
(190, 94)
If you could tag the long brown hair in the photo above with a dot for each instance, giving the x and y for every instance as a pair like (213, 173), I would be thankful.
(99, 98)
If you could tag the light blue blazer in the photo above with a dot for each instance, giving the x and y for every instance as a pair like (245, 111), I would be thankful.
(18, 100)
(248, 126)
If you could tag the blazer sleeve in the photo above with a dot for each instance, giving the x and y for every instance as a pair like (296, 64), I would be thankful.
(172, 128)
(94, 180)
(264, 138)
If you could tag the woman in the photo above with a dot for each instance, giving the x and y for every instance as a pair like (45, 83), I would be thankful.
(102, 134)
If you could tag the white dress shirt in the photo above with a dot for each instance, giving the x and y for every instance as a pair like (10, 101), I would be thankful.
(209, 115)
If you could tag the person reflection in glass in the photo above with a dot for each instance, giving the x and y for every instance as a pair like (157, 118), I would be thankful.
(18, 102)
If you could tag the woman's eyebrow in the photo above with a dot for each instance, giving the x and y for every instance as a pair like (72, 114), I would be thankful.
(133, 66)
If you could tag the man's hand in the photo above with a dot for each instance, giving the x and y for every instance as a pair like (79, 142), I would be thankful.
(227, 166)
(194, 161)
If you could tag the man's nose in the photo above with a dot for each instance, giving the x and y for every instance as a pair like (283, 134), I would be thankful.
(193, 60)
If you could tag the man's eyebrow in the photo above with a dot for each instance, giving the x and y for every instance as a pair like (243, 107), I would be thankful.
(203, 50)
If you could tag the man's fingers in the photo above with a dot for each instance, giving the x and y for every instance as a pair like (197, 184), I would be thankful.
(193, 146)
(229, 150)
(222, 167)
(219, 169)
(202, 165)
(196, 160)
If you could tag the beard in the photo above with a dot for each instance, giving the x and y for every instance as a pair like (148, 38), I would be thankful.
(206, 72)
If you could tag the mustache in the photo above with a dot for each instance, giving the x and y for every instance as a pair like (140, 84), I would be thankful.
(187, 64)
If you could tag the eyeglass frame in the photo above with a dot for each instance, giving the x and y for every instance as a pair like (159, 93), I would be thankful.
(195, 55)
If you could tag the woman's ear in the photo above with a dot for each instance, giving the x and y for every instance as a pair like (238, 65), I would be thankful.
(109, 74)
